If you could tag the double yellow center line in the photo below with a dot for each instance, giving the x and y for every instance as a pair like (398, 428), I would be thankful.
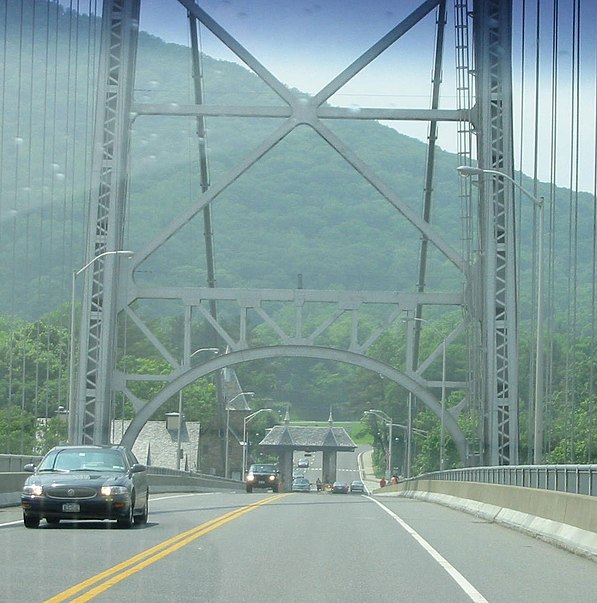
(103, 581)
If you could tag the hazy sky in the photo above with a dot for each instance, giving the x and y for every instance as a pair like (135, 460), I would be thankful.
(305, 43)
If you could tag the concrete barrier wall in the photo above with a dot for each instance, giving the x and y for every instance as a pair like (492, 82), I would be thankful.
(573, 509)
(16, 462)
(565, 520)
(191, 483)
(11, 484)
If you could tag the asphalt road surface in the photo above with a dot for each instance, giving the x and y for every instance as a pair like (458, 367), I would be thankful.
(287, 547)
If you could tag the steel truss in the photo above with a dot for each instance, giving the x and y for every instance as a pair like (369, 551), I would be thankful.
(98, 378)
(492, 21)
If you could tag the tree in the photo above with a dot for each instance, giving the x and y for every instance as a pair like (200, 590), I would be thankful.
(17, 431)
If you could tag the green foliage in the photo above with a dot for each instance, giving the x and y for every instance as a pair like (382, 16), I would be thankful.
(301, 210)
(33, 365)
(17, 431)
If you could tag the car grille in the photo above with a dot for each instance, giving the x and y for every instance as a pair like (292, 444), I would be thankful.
(70, 492)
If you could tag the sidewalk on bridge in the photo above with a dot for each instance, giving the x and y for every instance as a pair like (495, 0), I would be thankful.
(366, 470)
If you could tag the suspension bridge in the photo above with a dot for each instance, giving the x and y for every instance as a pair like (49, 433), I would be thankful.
(90, 120)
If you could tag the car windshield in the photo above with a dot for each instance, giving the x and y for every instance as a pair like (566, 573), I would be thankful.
(263, 468)
(83, 460)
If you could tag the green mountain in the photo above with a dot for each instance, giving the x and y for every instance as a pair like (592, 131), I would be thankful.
(300, 210)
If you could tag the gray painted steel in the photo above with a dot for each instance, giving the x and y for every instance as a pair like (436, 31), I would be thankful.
(90, 412)
(497, 318)
(110, 281)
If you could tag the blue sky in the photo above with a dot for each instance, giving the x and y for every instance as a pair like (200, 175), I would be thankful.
(305, 43)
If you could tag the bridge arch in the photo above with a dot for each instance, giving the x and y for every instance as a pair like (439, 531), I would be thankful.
(410, 383)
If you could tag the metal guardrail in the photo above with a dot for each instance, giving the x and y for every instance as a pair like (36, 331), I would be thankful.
(573, 479)
(164, 477)
(161, 479)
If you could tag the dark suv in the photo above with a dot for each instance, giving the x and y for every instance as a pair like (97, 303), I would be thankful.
(263, 476)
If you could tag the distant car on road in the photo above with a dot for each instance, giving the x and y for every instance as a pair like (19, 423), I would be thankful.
(86, 482)
(301, 484)
(357, 486)
(264, 475)
(340, 488)
(303, 464)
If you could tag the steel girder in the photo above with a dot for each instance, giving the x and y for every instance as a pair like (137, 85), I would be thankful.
(492, 21)
(98, 378)
(90, 409)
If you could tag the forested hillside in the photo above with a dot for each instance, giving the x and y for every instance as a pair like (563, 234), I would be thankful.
(300, 210)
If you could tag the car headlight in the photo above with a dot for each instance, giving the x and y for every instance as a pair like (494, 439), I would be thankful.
(33, 490)
(250, 477)
(271, 478)
(113, 490)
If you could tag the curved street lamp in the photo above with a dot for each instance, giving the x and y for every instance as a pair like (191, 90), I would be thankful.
(178, 441)
(442, 444)
(226, 456)
(389, 422)
(538, 202)
(245, 421)
(71, 356)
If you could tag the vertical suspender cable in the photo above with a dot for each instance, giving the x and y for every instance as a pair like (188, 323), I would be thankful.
(569, 336)
(42, 170)
(551, 220)
(573, 243)
(533, 359)
(593, 350)
(12, 409)
(25, 190)
(517, 239)
(67, 213)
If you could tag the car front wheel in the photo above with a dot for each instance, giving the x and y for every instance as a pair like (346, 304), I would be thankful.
(142, 519)
(31, 521)
(127, 522)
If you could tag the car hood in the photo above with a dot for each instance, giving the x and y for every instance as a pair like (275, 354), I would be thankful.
(91, 478)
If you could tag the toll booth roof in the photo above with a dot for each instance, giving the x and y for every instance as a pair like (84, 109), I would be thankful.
(301, 437)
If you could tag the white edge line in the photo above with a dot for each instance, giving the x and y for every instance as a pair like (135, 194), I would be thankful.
(167, 497)
(153, 499)
(464, 584)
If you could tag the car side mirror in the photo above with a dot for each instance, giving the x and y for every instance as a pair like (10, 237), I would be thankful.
(30, 467)
(137, 468)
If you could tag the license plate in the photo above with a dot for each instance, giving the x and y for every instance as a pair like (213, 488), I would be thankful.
(71, 507)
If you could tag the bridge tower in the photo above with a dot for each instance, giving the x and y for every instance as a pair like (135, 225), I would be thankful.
(490, 304)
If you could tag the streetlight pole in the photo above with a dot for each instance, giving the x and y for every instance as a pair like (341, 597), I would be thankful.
(442, 445)
(71, 356)
(538, 202)
(228, 427)
(245, 421)
(388, 421)
(178, 440)
(409, 434)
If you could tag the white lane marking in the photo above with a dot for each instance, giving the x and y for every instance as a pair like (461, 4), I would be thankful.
(464, 584)
(153, 499)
